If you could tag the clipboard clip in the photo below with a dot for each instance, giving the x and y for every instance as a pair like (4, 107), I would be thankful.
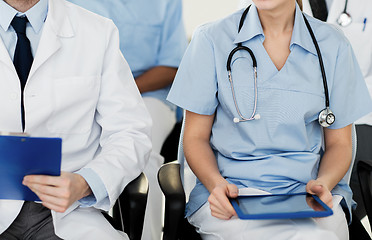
(18, 134)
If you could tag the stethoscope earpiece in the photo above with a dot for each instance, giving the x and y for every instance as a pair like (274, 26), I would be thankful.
(326, 117)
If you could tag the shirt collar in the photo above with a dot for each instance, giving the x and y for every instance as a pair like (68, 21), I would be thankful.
(251, 27)
(7, 14)
(35, 15)
(300, 35)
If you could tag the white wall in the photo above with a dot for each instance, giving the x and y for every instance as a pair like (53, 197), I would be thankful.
(197, 12)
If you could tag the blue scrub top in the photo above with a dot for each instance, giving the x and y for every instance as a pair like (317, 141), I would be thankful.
(151, 33)
(280, 152)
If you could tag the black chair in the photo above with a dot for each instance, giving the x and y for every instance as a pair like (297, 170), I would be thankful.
(129, 209)
(364, 170)
(357, 230)
(175, 225)
(170, 146)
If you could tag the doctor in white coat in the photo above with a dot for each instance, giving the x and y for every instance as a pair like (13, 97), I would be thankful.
(81, 89)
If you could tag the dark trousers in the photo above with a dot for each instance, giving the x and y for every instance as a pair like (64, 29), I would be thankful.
(34, 222)
(364, 152)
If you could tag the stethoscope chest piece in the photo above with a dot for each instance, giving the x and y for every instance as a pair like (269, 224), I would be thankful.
(326, 117)
(344, 19)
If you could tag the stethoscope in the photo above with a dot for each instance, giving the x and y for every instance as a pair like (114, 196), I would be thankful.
(344, 19)
(326, 118)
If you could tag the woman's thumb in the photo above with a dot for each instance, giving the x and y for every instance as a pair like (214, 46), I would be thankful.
(232, 190)
(316, 189)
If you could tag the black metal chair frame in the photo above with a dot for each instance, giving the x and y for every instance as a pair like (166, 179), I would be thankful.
(129, 209)
(364, 170)
(175, 225)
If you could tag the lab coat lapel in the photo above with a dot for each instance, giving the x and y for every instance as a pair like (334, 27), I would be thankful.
(56, 26)
(4, 56)
(307, 8)
(7, 61)
(335, 10)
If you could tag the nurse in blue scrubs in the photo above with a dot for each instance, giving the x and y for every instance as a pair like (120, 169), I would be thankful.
(277, 150)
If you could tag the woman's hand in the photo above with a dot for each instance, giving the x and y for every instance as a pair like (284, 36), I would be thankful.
(319, 189)
(219, 201)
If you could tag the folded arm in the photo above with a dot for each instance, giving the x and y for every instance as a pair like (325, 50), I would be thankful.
(156, 78)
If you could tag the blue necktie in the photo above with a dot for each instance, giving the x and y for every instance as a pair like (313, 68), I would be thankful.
(22, 56)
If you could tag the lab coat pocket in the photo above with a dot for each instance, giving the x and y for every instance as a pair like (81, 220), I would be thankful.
(74, 104)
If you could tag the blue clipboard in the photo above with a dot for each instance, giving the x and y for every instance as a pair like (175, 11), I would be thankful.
(21, 156)
(280, 206)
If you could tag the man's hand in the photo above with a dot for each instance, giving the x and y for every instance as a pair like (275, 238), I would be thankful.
(316, 187)
(58, 193)
(219, 203)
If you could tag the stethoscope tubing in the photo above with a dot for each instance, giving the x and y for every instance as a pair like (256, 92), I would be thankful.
(236, 49)
(344, 19)
(345, 8)
(320, 59)
(323, 114)
(242, 118)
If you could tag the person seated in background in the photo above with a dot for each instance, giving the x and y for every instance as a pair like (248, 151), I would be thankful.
(63, 75)
(152, 40)
(255, 122)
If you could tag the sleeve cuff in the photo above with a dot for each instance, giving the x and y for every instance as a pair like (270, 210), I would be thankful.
(99, 193)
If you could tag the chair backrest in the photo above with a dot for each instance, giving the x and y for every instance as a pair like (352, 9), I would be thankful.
(129, 210)
(353, 154)
(364, 170)
(187, 176)
(171, 185)
(176, 227)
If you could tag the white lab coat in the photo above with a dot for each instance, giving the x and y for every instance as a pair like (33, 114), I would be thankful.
(360, 40)
(80, 89)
